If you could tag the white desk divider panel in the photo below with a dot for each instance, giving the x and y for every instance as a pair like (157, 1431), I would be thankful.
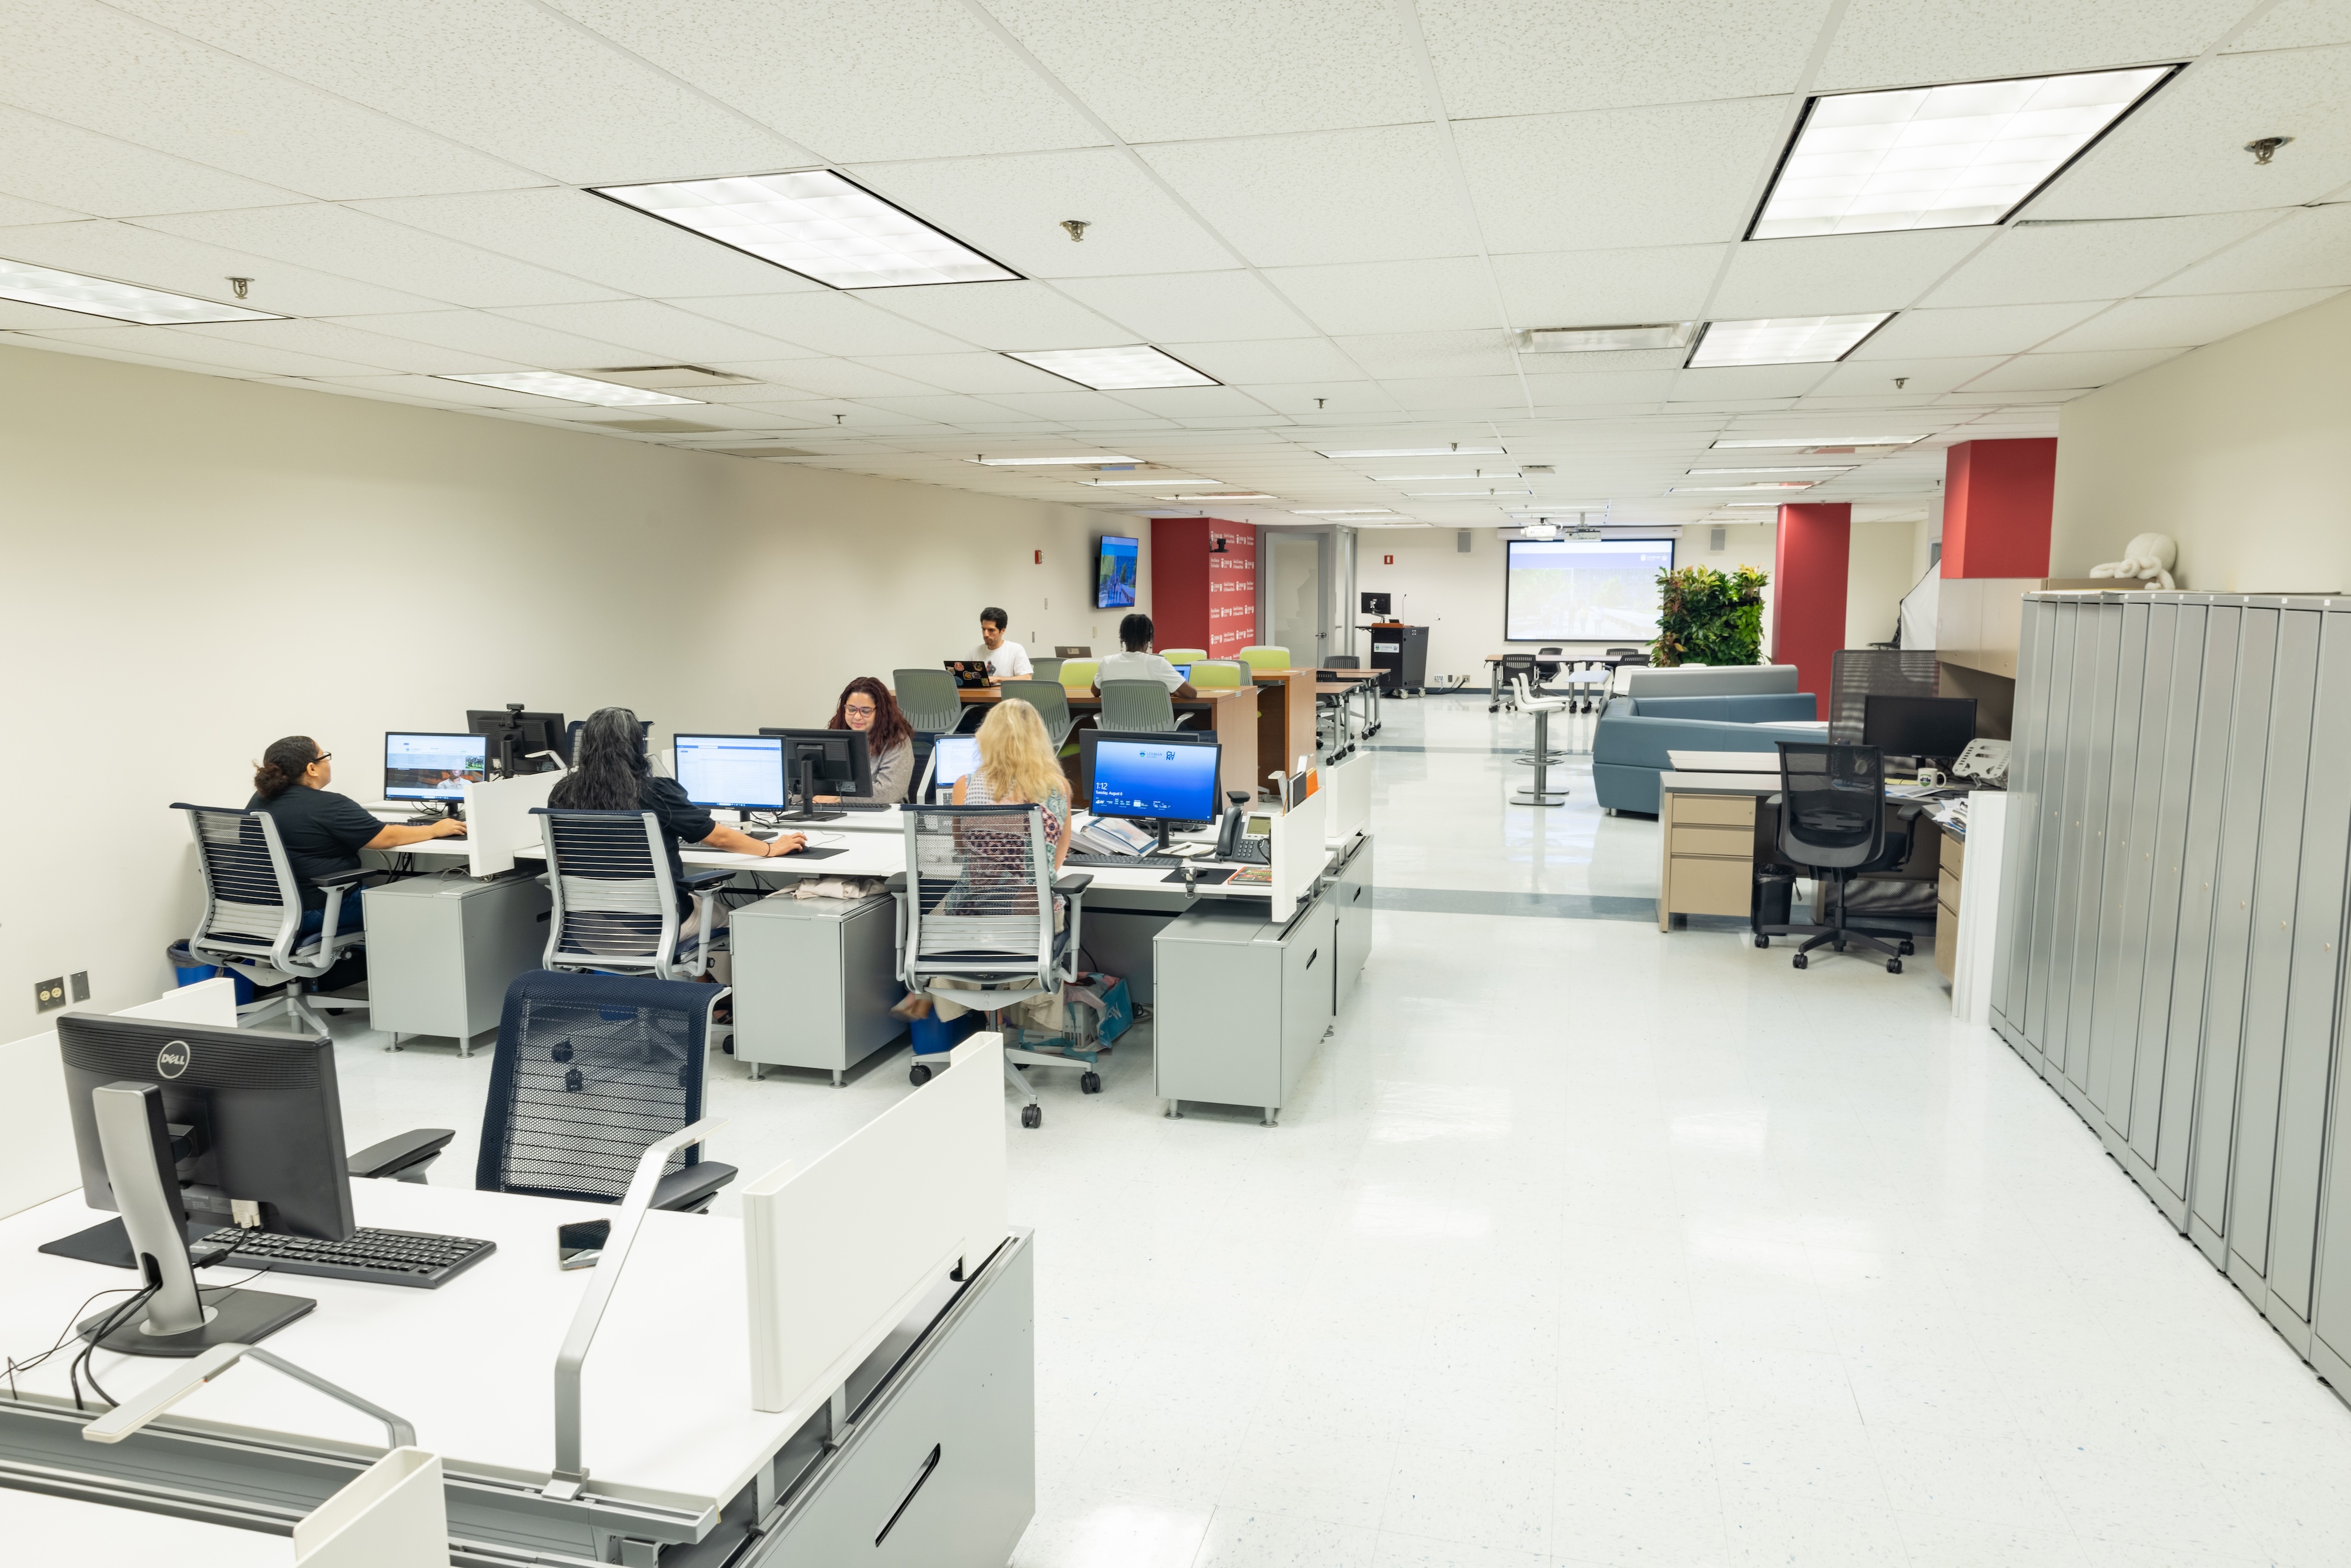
(498, 820)
(1979, 880)
(1349, 786)
(37, 1158)
(838, 1251)
(1298, 853)
(392, 1516)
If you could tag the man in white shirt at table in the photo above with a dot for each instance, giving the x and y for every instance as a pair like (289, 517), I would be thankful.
(1006, 660)
(1138, 662)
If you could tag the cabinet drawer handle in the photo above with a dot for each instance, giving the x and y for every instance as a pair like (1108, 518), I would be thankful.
(930, 1464)
(1312, 957)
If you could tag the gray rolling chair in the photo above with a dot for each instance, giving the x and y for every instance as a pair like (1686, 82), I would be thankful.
(253, 914)
(1045, 669)
(591, 1070)
(975, 907)
(927, 698)
(1832, 822)
(615, 905)
(1052, 701)
(1138, 707)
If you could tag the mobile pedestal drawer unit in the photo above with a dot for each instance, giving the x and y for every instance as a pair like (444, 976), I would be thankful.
(814, 982)
(1243, 1004)
(1707, 850)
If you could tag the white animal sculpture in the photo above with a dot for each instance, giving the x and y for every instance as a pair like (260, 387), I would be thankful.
(2148, 557)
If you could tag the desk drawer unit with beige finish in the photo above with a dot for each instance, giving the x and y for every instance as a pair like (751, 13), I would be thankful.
(1947, 904)
(1708, 855)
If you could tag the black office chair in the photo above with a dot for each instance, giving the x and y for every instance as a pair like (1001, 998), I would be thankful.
(591, 1070)
(1832, 805)
(1546, 667)
(1513, 667)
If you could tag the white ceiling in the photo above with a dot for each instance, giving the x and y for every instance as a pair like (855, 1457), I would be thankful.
(1344, 210)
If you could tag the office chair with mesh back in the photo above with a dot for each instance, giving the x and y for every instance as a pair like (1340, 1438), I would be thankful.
(1052, 701)
(927, 698)
(1138, 707)
(1513, 668)
(253, 920)
(591, 1070)
(1832, 822)
(1546, 667)
(1045, 670)
(614, 904)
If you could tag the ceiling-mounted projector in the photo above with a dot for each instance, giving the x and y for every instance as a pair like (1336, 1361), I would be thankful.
(1539, 530)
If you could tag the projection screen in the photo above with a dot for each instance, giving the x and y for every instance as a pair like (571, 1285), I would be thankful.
(1584, 591)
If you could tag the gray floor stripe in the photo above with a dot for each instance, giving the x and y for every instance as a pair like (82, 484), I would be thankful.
(1471, 750)
(1551, 906)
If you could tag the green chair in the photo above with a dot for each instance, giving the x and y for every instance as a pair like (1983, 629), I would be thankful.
(1266, 658)
(927, 698)
(1140, 707)
(1078, 675)
(1052, 701)
(1044, 669)
(1209, 675)
(1182, 655)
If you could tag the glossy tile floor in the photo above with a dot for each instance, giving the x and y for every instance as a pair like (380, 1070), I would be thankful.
(1588, 1245)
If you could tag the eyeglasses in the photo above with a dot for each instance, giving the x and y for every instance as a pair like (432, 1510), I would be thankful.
(322, 757)
(866, 708)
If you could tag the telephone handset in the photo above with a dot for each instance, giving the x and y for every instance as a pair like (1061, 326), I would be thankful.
(1244, 837)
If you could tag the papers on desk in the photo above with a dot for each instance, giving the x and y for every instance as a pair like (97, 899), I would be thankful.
(1111, 836)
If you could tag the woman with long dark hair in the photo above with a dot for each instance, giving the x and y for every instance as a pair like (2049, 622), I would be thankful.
(323, 831)
(610, 773)
(866, 705)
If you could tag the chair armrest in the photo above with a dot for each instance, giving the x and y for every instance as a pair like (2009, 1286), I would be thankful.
(1071, 883)
(393, 1156)
(341, 878)
(703, 881)
(689, 1188)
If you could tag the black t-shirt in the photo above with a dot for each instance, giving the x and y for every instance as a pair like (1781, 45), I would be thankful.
(323, 833)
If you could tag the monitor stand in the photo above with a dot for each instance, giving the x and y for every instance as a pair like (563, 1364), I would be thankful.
(180, 1318)
(808, 812)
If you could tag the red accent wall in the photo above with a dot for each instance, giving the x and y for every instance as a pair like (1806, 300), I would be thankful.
(1996, 498)
(1202, 597)
(1808, 576)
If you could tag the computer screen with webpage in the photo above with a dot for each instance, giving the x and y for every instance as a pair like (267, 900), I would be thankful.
(742, 771)
(432, 766)
(951, 757)
(1168, 780)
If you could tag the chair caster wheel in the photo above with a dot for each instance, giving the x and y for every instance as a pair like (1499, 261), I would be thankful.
(919, 1076)
(1800, 960)
(1908, 946)
(1763, 941)
(1089, 1084)
(1893, 965)
(1032, 1115)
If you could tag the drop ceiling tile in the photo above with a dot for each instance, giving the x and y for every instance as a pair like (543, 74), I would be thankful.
(357, 342)
(178, 343)
(1608, 288)
(16, 210)
(126, 253)
(2032, 264)
(849, 379)
(2298, 24)
(1073, 403)
(1013, 208)
(1307, 399)
(94, 67)
(1723, 382)
(1835, 275)
(663, 333)
(1894, 43)
(500, 338)
(358, 245)
(582, 111)
(2187, 321)
(1192, 307)
(1424, 354)
(1434, 296)
(1928, 376)
(1995, 329)
(88, 172)
(1996, 399)
(2057, 371)
(425, 388)
(1193, 402)
(2184, 150)
(1564, 389)
(1006, 316)
(15, 317)
(1502, 56)
(1263, 66)
(969, 373)
(1379, 195)
(1285, 359)
(2306, 249)
(830, 321)
(586, 236)
(1436, 393)
(943, 408)
(1678, 175)
(854, 80)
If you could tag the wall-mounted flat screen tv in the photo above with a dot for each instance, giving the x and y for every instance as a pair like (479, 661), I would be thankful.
(1115, 572)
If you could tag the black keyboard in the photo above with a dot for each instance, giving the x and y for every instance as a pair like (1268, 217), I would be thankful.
(379, 1256)
(1113, 862)
(864, 805)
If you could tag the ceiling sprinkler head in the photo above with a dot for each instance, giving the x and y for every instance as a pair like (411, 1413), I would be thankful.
(1078, 227)
(2266, 148)
(242, 284)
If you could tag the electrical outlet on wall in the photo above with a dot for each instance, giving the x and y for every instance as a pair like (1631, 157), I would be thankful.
(50, 993)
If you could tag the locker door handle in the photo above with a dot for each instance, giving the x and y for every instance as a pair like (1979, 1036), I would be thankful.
(1312, 957)
(922, 1475)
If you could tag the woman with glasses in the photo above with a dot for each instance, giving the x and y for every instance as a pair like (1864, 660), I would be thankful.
(866, 705)
(324, 832)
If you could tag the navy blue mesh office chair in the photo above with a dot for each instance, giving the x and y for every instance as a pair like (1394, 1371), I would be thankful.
(1833, 823)
(591, 1070)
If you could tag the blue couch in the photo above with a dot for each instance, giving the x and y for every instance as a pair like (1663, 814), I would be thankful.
(1630, 742)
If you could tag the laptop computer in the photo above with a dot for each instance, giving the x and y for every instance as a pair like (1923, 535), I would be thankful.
(1066, 651)
(969, 673)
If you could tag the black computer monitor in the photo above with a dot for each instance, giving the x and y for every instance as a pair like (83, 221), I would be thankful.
(745, 772)
(1936, 727)
(1377, 604)
(825, 762)
(516, 735)
(1151, 777)
(419, 766)
(254, 1115)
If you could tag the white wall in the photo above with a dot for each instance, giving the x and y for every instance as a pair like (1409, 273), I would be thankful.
(2241, 451)
(196, 566)
(1877, 574)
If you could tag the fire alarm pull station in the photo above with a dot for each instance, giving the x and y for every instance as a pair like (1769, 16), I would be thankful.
(1387, 560)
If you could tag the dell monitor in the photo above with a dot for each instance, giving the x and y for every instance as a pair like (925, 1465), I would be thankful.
(1378, 604)
(517, 738)
(825, 762)
(432, 766)
(951, 757)
(1929, 728)
(1114, 569)
(743, 772)
(1153, 777)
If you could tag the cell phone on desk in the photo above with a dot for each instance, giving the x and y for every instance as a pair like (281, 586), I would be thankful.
(580, 1243)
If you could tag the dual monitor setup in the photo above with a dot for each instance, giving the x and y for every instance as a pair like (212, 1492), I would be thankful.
(763, 772)
(497, 743)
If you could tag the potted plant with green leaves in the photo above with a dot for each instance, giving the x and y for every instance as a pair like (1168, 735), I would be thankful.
(1709, 617)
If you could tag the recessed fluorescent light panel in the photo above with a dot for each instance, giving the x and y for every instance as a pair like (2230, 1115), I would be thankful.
(115, 301)
(1822, 442)
(571, 388)
(1220, 496)
(1726, 489)
(1940, 157)
(1093, 462)
(1160, 484)
(1846, 468)
(1784, 339)
(1455, 450)
(1135, 368)
(1458, 495)
(1601, 339)
(816, 223)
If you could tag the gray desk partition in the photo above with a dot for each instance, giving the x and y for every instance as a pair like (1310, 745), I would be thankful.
(2173, 915)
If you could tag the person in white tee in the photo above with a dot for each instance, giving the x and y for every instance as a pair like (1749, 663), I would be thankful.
(1139, 663)
(1006, 660)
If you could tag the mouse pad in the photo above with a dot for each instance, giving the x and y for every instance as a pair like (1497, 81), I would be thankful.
(1206, 876)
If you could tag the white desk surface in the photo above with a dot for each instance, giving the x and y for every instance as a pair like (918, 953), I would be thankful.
(100, 1535)
(1718, 783)
(1725, 761)
(667, 1388)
